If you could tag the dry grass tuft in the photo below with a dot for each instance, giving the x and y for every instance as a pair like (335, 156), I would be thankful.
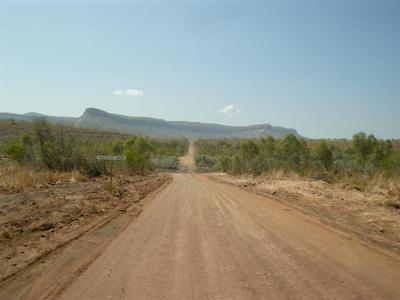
(17, 178)
(379, 183)
(279, 173)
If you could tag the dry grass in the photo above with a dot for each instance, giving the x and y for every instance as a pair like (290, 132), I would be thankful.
(282, 173)
(379, 183)
(16, 178)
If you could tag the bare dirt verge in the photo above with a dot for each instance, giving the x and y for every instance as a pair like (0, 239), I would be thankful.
(369, 215)
(35, 222)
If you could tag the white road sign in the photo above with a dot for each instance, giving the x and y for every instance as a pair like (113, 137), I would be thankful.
(110, 157)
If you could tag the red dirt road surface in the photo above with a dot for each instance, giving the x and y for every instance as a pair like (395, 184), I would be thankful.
(198, 239)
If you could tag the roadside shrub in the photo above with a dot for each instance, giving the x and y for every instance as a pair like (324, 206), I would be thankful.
(324, 155)
(15, 152)
(294, 153)
(136, 161)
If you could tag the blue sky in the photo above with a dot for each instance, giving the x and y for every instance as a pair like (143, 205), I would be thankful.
(328, 69)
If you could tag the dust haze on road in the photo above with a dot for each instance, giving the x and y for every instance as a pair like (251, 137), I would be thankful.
(187, 162)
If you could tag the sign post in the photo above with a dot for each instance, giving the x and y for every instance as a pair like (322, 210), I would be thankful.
(111, 158)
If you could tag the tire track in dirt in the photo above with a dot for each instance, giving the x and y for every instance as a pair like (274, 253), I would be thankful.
(204, 240)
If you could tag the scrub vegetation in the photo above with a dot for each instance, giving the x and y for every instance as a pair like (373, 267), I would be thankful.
(362, 159)
(47, 149)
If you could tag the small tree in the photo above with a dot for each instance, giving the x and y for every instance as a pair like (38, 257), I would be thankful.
(143, 146)
(364, 145)
(249, 150)
(42, 131)
(269, 147)
(117, 147)
(136, 161)
(382, 155)
(27, 148)
(130, 142)
(45, 141)
(324, 154)
(294, 152)
(62, 153)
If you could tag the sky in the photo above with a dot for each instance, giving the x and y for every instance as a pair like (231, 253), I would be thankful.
(328, 69)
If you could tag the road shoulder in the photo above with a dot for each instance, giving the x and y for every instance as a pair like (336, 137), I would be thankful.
(358, 214)
(46, 277)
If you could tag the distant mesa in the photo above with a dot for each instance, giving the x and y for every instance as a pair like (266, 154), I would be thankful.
(100, 119)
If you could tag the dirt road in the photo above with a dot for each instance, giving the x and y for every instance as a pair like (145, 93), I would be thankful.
(187, 162)
(198, 239)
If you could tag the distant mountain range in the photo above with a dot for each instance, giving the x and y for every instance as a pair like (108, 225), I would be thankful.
(99, 119)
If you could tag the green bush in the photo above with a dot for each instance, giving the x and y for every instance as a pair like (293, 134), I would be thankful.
(136, 161)
(15, 152)
(324, 155)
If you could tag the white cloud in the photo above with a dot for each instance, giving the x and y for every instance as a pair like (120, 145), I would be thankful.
(230, 110)
(131, 93)
(134, 93)
(118, 93)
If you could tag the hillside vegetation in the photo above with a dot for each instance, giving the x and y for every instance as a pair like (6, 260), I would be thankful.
(12, 129)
